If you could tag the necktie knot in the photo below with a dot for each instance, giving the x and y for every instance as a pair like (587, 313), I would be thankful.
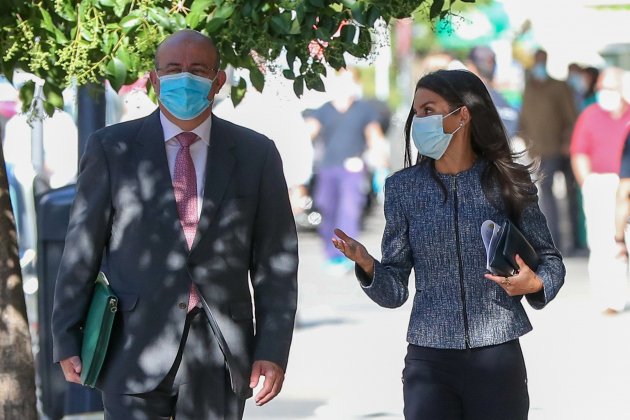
(186, 138)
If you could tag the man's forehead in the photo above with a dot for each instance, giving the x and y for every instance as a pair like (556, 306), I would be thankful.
(187, 51)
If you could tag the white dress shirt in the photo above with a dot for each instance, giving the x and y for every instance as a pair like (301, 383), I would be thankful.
(198, 150)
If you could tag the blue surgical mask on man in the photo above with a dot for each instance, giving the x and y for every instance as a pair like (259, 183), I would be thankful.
(429, 137)
(539, 72)
(185, 95)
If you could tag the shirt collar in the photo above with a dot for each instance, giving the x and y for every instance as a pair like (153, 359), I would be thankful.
(171, 129)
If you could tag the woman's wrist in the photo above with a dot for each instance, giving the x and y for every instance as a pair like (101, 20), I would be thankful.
(367, 264)
(538, 284)
(620, 239)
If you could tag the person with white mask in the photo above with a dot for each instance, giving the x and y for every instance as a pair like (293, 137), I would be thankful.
(596, 149)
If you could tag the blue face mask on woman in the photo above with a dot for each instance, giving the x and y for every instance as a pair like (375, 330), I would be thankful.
(185, 95)
(429, 137)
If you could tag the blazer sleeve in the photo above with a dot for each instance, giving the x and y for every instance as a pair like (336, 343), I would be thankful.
(87, 235)
(390, 286)
(274, 264)
(551, 269)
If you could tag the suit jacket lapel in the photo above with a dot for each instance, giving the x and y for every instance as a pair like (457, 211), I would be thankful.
(219, 168)
(155, 181)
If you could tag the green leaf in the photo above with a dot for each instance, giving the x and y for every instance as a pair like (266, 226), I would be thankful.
(317, 3)
(106, 3)
(198, 10)
(53, 95)
(373, 14)
(296, 28)
(246, 10)
(130, 21)
(238, 92)
(200, 6)
(318, 68)
(290, 59)
(468, 1)
(358, 13)
(298, 86)
(119, 7)
(160, 17)
(193, 19)
(214, 25)
(49, 108)
(47, 22)
(322, 34)
(348, 33)
(123, 55)
(60, 37)
(336, 61)
(26, 94)
(281, 24)
(225, 11)
(436, 8)
(85, 34)
(117, 69)
(257, 78)
(288, 74)
(314, 81)
(67, 12)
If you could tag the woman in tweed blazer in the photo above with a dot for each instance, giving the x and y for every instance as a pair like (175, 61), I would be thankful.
(464, 360)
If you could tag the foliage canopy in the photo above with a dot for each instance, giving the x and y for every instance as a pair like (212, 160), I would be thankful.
(68, 41)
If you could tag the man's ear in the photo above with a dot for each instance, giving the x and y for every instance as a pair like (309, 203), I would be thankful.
(219, 81)
(155, 82)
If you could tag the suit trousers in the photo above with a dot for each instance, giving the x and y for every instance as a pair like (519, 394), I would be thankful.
(473, 384)
(197, 386)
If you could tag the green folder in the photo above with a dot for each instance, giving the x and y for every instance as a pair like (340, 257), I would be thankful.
(97, 330)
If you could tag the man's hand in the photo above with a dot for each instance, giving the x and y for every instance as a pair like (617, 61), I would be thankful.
(274, 377)
(72, 369)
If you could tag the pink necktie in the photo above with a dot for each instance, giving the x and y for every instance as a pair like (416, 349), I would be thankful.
(185, 186)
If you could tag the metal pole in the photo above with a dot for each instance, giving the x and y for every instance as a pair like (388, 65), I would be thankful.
(36, 121)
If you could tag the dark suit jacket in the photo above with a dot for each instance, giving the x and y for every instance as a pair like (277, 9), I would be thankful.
(124, 217)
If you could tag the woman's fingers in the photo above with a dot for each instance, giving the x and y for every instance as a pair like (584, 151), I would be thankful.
(341, 234)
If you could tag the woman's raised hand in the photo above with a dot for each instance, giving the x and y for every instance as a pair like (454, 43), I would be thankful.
(354, 250)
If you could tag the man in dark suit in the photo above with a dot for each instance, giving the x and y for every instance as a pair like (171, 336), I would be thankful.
(177, 207)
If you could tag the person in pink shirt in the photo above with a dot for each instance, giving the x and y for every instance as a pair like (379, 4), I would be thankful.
(596, 149)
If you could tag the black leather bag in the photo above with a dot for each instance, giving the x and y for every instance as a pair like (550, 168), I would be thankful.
(508, 243)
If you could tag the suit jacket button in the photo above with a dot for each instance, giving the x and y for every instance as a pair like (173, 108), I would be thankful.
(182, 305)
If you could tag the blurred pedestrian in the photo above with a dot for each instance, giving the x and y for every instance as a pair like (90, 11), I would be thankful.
(344, 130)
(546, 120)
(464, 359)
(482, 62)
(275, 113)
(622, 211)
(577, 83)
(591, 75)
(182, 205)
(596, 149)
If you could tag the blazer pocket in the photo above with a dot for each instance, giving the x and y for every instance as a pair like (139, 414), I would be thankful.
(241, 311)
(127, 301)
